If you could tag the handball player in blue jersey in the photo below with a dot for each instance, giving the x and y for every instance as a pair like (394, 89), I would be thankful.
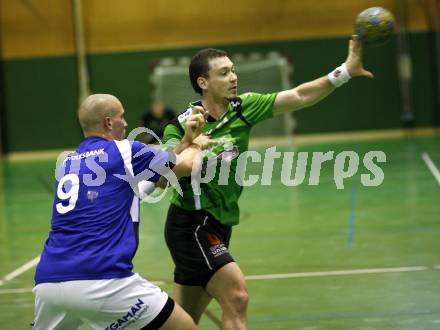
(85, 272)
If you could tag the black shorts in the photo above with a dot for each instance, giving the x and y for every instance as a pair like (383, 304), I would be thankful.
(198, 244)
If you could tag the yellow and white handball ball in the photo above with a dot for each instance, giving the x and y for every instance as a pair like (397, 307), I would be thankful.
(375, 25)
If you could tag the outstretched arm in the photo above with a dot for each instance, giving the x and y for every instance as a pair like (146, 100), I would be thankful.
(312, 92)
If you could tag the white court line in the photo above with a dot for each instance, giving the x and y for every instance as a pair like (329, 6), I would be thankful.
(20, 270)
(29, 265)
(33, 262)
(19, 290)
(434, 170)
(338, 273)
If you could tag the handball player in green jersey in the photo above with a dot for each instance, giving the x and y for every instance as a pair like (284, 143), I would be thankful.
(199, 223)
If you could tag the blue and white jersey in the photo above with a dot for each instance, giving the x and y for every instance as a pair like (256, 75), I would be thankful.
(92, 233)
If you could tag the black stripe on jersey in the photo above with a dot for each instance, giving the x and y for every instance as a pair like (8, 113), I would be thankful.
(236, 105)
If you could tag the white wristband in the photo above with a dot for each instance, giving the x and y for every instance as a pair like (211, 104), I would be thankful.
(339, 76)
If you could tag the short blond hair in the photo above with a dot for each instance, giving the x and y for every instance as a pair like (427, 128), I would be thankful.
(94, 109)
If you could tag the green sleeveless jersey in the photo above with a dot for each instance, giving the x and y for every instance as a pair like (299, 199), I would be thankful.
(220, 195)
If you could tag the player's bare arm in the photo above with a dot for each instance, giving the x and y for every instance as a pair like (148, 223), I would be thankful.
(310, 93)
(184, 158)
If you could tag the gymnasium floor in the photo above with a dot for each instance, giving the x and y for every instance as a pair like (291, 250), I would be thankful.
(357, 258)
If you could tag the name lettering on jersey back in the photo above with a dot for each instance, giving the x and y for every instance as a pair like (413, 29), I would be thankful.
(86, 167)
(85, 155)
(94, 179)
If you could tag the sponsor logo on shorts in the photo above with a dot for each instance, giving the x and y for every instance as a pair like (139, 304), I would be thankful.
(213, 239)
(132, 315)
(218, 247)
(218, 250)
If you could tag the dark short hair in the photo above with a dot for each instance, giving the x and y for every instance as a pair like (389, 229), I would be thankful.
(199, 65)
